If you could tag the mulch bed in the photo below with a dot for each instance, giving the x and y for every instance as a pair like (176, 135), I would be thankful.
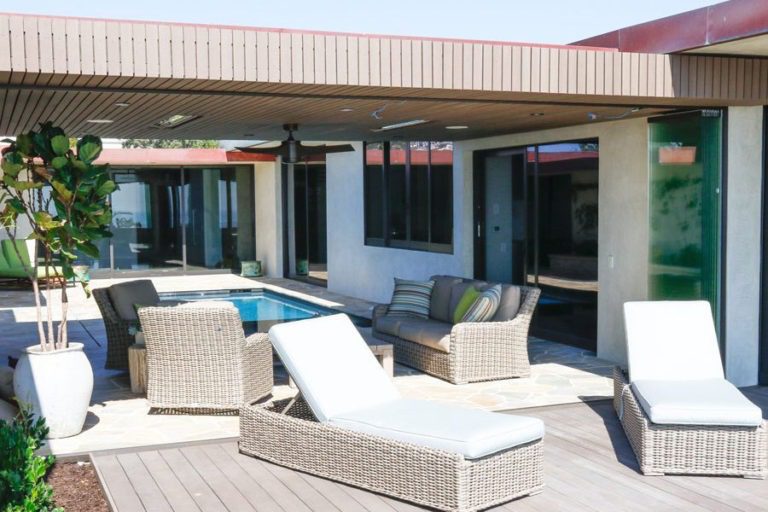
(76, 487)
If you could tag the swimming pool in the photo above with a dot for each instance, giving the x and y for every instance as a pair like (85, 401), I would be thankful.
(261, 309)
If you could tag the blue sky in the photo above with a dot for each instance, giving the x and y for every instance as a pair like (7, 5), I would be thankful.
(540, 21)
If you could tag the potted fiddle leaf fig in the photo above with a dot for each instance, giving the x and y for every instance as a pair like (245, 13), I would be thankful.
(58, 197)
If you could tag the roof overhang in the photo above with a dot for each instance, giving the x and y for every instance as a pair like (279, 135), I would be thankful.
(245, 83)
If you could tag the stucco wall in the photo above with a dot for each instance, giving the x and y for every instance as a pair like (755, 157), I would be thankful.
(269, 218)
(362, 271)
(743, 241)
(367, 272)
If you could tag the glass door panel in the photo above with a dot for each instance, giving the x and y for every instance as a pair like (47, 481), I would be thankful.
(146, 219)
(685, 208)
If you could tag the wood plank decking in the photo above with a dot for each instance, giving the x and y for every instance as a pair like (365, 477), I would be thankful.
(589, 466)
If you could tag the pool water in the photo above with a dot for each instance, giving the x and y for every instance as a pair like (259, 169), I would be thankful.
(261, 309)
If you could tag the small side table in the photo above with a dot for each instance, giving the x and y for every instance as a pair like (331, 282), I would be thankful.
(137, 367)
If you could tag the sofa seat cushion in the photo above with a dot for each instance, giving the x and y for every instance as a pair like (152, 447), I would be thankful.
(430, 333)
(389, 324)
(696, 402)
(125, 296)
(470, 432)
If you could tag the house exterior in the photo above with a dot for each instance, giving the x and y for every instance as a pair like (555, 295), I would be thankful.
(629, 166)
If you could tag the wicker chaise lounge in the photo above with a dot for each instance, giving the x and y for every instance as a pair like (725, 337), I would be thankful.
(350, 424)
(680, 414)
(199, 360)
(464, 352)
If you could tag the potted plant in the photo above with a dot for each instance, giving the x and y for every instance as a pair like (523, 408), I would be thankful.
(60, 196)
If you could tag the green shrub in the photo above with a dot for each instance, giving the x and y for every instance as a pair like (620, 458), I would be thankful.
(22, 472)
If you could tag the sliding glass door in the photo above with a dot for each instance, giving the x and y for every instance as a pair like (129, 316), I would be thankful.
(686, 207)
(536, 210)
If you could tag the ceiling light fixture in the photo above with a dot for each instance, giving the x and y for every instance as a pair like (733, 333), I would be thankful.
(99, 121)
(175, 121)
(122, 104)
(404, 124)
(347, 109)
(536, 114)
(594, 117)
(456, 127)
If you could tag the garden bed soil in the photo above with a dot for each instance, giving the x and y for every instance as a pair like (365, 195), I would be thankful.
(76, 487)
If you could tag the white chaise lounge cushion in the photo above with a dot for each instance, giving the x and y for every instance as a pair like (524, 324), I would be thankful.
(470, 432)
(696, 402)
(331, 365)
(671, 340)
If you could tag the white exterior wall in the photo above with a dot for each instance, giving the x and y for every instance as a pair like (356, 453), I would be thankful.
(269, 227)
(743, 244)
(367, 272)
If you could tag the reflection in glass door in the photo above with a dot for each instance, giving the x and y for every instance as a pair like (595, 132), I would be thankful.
(310, 230)
(146, 219)
(537, 220)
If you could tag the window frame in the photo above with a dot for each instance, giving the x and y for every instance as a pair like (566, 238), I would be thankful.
(387, 240)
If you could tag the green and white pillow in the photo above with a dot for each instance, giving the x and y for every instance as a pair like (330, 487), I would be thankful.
(485, 305)
(411, 298)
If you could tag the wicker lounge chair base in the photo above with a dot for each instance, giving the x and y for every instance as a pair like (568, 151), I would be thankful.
(434, 478)
(689, 449)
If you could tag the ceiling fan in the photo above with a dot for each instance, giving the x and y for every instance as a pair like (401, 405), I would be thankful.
(293, 151)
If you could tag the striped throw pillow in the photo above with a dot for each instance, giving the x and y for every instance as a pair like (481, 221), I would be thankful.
(411, 298)
(485, 305)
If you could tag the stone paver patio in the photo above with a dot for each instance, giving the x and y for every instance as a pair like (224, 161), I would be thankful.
(118, 418)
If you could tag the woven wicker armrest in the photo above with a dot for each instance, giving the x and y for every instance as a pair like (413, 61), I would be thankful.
(258, 375)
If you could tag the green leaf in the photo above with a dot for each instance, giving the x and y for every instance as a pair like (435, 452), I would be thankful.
(45, 221)
(62, 190)
(59, 162)
(88, 249)
(13, 163)
(16, 205)
(60, 144)
(106, 188)
(28, 185)
(25, 144)
(89, 148)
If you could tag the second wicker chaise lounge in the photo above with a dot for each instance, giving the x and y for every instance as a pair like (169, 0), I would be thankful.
(350, 424)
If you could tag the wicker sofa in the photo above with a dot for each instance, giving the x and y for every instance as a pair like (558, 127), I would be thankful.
(464, 352)
(199, 360)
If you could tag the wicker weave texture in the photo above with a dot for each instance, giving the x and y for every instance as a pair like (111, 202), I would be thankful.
(434, 478)
(689, 449)
(118, 335)
(479, 351)
(199, 359)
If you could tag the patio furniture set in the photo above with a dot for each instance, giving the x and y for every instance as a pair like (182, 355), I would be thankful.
(348, 422)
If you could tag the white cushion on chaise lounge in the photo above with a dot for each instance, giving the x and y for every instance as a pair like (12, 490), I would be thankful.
(344, 385)
(675, 367)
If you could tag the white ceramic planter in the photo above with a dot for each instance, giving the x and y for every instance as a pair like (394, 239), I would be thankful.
(57, 385)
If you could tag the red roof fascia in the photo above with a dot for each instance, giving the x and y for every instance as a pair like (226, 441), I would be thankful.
(397, 156)
(177, 156)
(710, 25)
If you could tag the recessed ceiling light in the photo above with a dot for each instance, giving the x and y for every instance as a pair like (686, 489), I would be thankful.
(456, 127)
(99, 121)
(347, 109)
(247, 135)
(122, 104)
(536, 114)
(175, 120)
(404, 124)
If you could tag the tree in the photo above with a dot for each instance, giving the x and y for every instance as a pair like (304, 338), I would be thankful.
(169, 143)
(63, 196)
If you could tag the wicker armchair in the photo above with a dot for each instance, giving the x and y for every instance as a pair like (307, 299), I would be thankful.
(199, 360)
(119, 337)
(478, 351)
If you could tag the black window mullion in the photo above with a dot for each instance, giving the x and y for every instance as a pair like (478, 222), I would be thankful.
(408, 190)
(385, 191)
(429, 193)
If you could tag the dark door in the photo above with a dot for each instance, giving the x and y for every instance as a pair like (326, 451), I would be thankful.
(536, 224)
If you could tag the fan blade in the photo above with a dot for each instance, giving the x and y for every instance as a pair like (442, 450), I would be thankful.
(275, 150)
(322, 149)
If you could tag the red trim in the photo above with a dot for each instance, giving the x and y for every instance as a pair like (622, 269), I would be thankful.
(727, 21)
(318, 32)
(193, 156)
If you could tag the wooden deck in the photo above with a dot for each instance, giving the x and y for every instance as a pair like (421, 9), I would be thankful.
(589, 466)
